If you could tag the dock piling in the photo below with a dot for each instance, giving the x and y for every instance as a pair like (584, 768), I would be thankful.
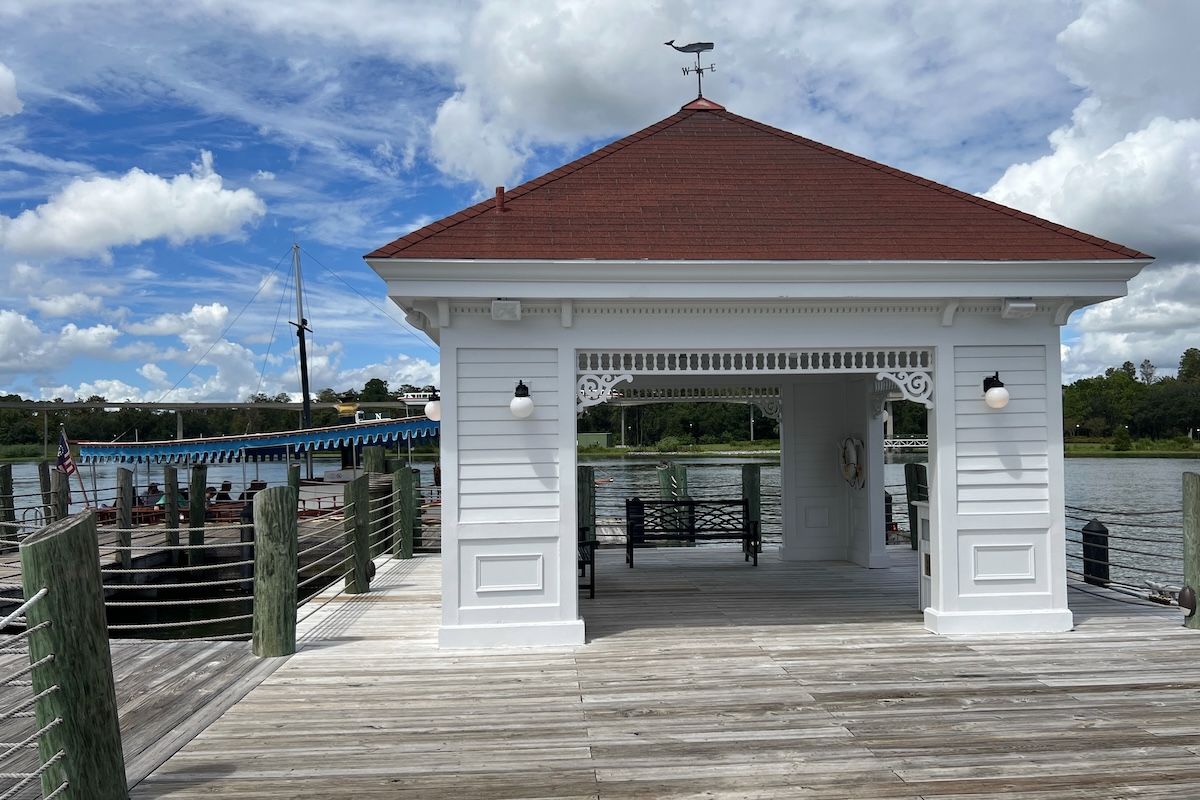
(1191, 539)
(64, 559)
(124, 504)
(275, 548)
(356, 502)
(1095, 553)
(8, 511)
(196, 502)
(407, 505)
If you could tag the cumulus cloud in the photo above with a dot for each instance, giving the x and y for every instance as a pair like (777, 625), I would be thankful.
(201, 320)
(66, 305)
(1127, 168)
(92, 215)
(10, 104)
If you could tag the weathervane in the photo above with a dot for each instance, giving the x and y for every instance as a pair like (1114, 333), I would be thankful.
(697, 48)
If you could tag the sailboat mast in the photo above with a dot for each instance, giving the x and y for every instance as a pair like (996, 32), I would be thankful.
(301, 326)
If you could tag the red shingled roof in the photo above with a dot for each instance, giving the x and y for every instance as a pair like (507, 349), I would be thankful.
(705, 184)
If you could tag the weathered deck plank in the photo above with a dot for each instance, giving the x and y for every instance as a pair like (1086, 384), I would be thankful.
(702, 678)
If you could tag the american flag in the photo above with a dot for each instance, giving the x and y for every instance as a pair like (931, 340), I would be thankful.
(66, 464)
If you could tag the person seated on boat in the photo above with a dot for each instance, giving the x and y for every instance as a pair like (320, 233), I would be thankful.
(180, 497)
(210, 495)
(254, 488)
(152, 497)
(223, 496)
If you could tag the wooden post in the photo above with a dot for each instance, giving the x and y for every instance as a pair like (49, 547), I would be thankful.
(60, 492)
(374, 459)
(585, 499)
(293, 479)
(196, 503)
(1191, 539)
(752, 494)
(418, 539)
(63, 558)
(356, 500)
(170, 508)
(406, 503)
(1094, 536)
(125, 516)
(8, 511)
(47, 498)
(275, 547)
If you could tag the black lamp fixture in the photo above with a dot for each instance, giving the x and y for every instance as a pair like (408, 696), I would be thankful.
(433, 408)
(522, 404)
(994, 393)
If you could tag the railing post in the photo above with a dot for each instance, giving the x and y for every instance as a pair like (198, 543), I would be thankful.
(356, 499)
(64, 558)
(418, 538)
(1095, 553)
(293, 479)
(124, 505)
(374, 459)
(1191, 540)
(404, 500)
(275, 547)
(171, 508)
(196, 498)
(8, 511)
(43, 469)
(60, 493)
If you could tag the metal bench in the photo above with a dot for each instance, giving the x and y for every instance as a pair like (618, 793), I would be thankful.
(690, 521)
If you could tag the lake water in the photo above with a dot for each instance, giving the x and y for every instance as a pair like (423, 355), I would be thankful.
(1103, 488)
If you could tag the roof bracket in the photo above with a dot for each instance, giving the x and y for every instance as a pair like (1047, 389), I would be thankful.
(948, 313)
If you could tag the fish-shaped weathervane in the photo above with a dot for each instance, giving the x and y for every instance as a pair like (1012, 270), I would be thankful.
(697, 48)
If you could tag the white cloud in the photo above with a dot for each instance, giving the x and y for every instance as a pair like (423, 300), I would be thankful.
(10, 104)
(66, 305)
(20, 342)
(200, 320)
(92, 215)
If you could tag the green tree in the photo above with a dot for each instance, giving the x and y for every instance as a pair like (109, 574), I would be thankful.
(375, 389)
(1147, 371)
(1189, 366)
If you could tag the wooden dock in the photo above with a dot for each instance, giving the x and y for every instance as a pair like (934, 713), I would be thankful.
(704, 677)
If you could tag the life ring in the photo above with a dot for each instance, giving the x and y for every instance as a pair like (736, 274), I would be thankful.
(851, 461)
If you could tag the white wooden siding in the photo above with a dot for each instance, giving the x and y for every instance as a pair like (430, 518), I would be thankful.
(508, 467)
(1002, 457)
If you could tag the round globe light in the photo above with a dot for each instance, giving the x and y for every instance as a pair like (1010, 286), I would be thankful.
(996, 397)
(433, 409)
(521, 405)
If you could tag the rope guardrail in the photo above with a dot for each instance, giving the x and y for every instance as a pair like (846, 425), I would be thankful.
(20, 766)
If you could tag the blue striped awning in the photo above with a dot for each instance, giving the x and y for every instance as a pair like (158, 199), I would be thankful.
(261, 446)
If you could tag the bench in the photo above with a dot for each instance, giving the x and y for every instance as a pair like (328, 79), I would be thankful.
(690, 521)
(587, 558)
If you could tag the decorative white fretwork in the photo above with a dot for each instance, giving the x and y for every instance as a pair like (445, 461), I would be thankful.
(749, 362)
(915, 385)
(592, 390)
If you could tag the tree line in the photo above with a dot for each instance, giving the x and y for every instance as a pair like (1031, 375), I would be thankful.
(1124, 400)
(18, 426)
(1137, 400)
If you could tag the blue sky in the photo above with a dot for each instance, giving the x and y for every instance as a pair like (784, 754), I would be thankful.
(157, 159)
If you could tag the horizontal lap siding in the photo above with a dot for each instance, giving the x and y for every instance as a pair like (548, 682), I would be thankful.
(1003, 460)
(508, 467)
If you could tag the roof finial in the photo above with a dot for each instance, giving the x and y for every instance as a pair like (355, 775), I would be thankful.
(697, 48)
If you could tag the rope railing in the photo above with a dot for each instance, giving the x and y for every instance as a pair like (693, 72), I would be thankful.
(20, 767)
(1134, 552)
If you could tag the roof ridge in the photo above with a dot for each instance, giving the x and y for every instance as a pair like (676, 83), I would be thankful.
(931, 184)
(471, 212)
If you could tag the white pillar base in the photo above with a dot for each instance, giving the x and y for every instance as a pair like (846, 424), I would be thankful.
(521, 634)
(964, 622)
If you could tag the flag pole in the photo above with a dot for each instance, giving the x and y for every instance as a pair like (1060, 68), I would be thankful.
(62, 434)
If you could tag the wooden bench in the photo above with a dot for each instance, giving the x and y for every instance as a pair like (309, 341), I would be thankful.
(587, 559)
(690, 521)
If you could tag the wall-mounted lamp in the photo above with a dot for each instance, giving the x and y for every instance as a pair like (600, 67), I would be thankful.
(994, 393)
(522, 404)
(433, 408)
